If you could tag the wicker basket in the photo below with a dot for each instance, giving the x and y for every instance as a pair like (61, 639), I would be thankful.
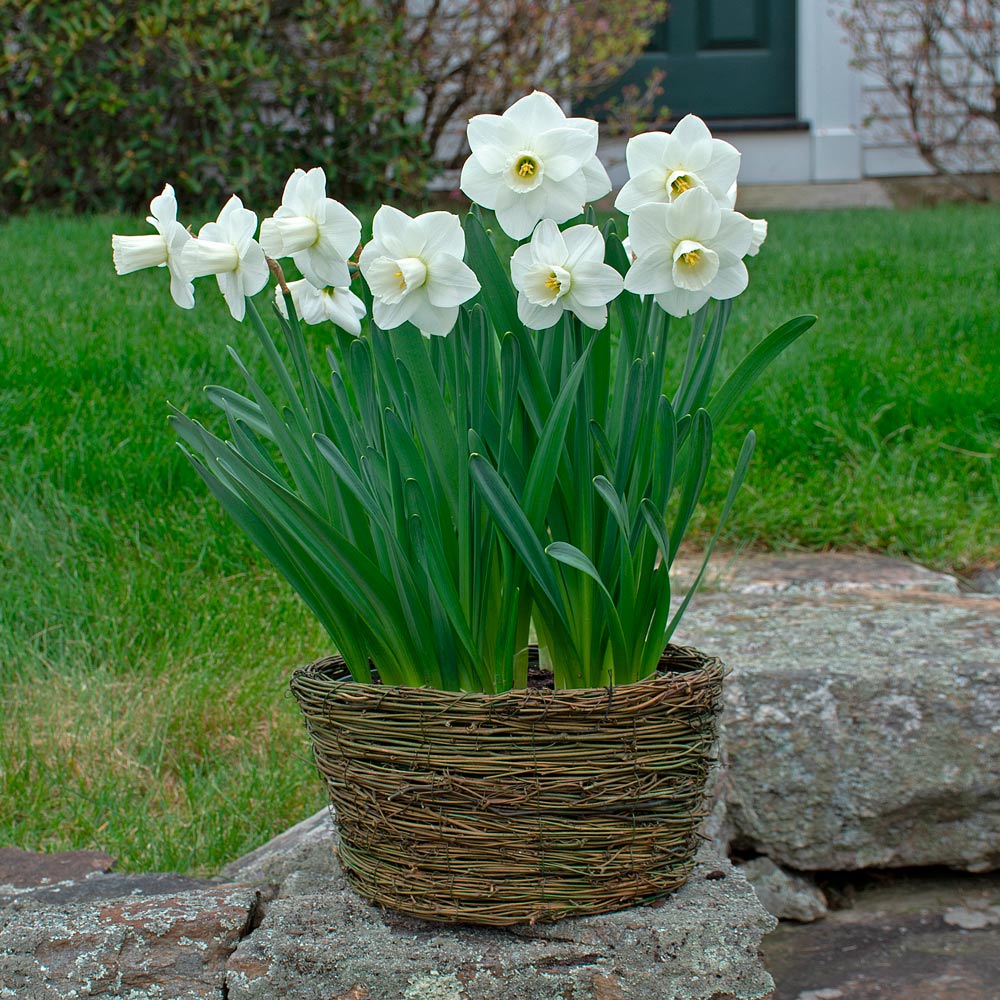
(523, 806)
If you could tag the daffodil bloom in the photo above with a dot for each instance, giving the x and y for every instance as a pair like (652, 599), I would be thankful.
(559, 272)
(227, 249)
(688, 251)
(313, 305)
(759, 235)
(318, 233)
(415, 271)
(533, 163)
(133, 253)
(663, 165)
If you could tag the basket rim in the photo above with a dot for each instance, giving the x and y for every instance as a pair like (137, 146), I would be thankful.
(703, 668)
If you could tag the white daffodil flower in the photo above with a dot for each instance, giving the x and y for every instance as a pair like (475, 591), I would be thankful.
(415, 271)
(313, 305)
(533, 163)
(663, 165)
(227, 249)
(759, 235)
(563, 271)
(318, 233)
(688, 251)
(133, 253)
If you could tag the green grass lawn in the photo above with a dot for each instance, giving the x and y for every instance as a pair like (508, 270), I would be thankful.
(145, 648)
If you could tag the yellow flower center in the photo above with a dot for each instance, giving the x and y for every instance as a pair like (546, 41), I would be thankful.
(691, 257)
(526, 167)
(402, 280)
(681, 184)
(553, 284)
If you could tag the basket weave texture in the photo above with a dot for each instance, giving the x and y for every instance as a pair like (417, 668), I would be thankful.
(518, 807)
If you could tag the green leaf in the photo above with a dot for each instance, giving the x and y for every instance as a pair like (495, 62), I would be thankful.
(751, 367)
(701, 450)
(433, 419)
(571, 556)
(545, 464)
(739, 474)
(693, 392)
(497, 294)
(244, 409)
(517, 529)
(657, 527)
(603, 446)
(439, 576)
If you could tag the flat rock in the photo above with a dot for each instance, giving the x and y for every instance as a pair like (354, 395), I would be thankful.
(319, 939)
(861, 725)
(27, 869)
(895, 938)
(131, 937)
(784, 894)
(815, 573)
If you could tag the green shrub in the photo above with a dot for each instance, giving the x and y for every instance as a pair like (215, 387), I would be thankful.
(102, 102)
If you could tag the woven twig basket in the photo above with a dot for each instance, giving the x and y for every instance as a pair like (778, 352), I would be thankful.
(523, 806)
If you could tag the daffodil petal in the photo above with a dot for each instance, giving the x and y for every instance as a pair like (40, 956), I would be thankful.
(597, 180)
(518, 213)
(691, 144)
(582, 244)
(449, 281)
(232, 290)
(565, 200)
(537, 112)
(548, 244)
(237, 222)
(651, 273)
(431, 320)
(563, 151)
(647, 228)
(344, 309)
(719, 174)
(521, 263)
(489, 136)
(478, 185)
(646, 188)
(595, 284)
(181, 287)
(388, 316)
(647, 152)
(594, 316)
(694, 215)
(253, 270)
(341, 228)
(681, 302)
(440, 231)
(759, 235)
(735, 233)
(389, 228)
(729, 281)
(164, 207)
(537, 317)
(322, 265)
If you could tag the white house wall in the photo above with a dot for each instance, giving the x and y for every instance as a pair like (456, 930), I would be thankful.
(837, 101)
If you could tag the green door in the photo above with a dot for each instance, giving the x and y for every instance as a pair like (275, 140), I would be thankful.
(725, 58)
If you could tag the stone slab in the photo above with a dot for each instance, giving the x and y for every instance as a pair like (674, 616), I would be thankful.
(893, 939)
(136, 947)
(21, 869)
(812, 573)
(784, 894)
(319, 939)
(862, 722)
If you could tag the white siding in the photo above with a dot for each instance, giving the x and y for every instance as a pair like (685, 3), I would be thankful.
(885, 123)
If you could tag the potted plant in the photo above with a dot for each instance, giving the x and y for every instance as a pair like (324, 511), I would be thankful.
(497, 446)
